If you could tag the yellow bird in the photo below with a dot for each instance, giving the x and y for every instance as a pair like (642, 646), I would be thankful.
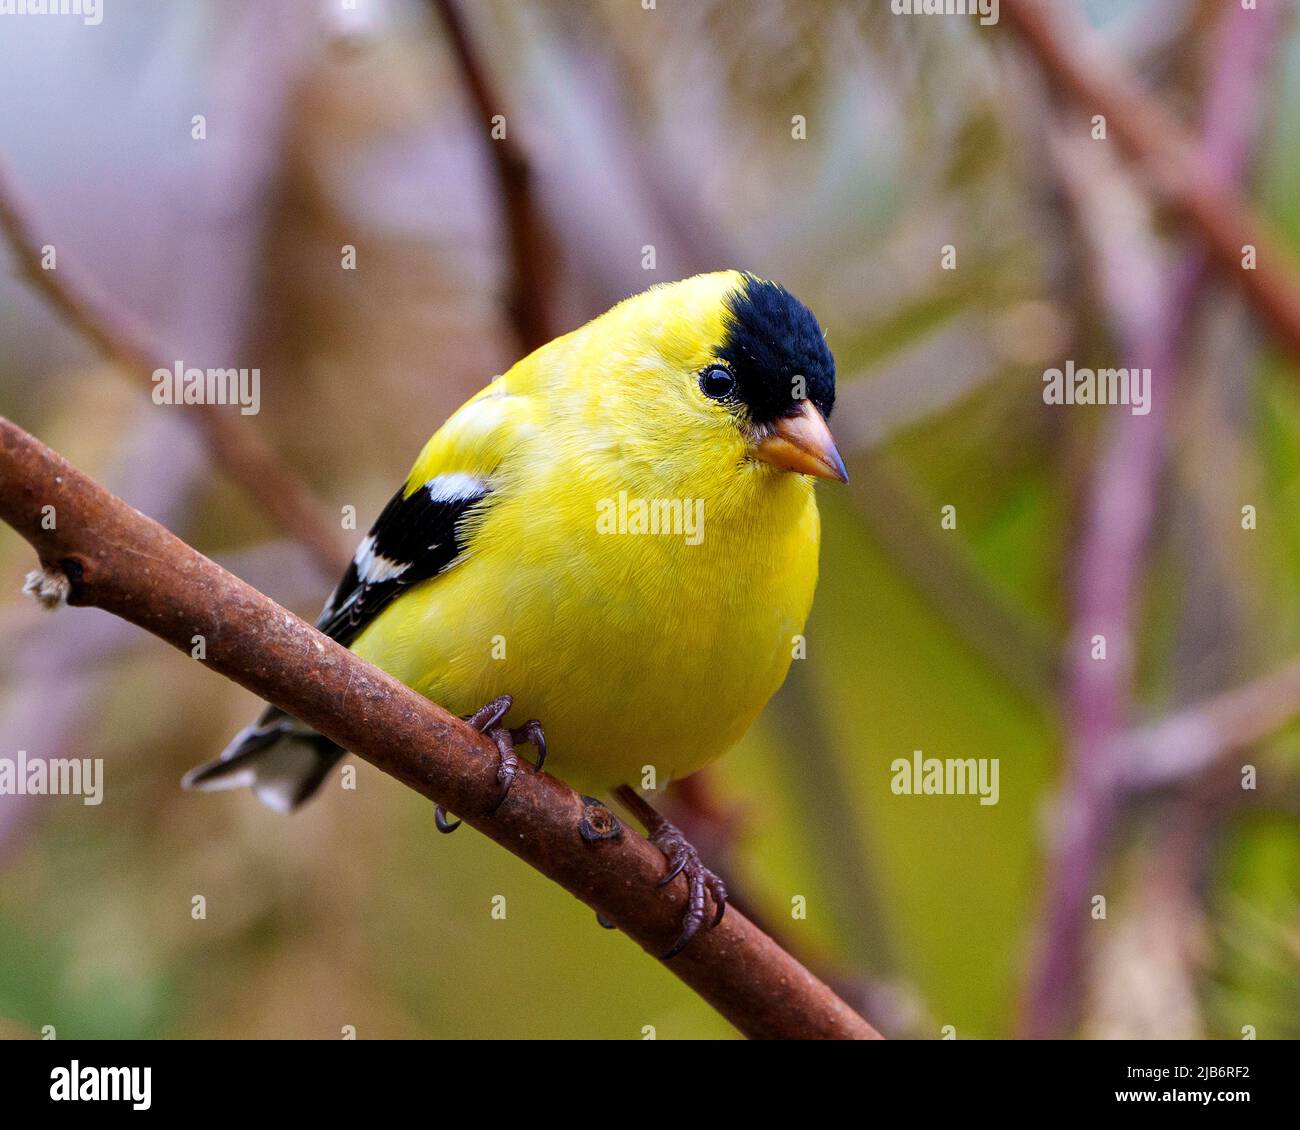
(619, 537)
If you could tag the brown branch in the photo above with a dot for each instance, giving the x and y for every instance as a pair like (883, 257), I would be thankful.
(527, 299)
(115, 558)
(239, 451)
(1149, 134)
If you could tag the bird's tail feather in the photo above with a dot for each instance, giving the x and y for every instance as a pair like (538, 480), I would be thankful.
(279, 758)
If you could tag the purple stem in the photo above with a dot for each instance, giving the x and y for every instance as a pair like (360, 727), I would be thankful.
(1121, 502)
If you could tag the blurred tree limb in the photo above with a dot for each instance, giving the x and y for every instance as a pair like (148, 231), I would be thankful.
(528, 294)
(1172, 161)
(105, 554)
(238, 450)
(1189, 741)
(1149, 307)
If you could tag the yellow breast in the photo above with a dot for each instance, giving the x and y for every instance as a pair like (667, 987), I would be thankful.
(633, 647)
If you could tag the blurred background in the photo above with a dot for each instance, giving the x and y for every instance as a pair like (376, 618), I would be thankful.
(957, 227)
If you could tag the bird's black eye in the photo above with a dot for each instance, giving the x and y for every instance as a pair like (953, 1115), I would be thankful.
(717, 383)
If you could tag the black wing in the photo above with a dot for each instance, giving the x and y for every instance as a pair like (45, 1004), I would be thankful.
(413, 539)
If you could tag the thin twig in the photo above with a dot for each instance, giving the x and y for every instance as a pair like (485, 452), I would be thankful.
(1190, 741)
(110, 556)
(238, 450)
(528, 294)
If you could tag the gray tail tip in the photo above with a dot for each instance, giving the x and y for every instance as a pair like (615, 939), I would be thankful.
(210, 777)
(281, 762)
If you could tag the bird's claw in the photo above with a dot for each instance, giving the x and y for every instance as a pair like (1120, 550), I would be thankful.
(487, 720)
(530, 733)
(683, 859)
(508, 766)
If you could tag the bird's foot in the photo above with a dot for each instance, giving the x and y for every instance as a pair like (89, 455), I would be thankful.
(487, 720)
(682, 859)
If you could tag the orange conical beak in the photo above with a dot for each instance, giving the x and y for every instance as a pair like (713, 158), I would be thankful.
(803, 443)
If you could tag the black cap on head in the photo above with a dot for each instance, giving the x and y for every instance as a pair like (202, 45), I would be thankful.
(773, 339)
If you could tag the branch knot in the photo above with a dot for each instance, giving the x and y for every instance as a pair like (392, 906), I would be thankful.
(49, 586)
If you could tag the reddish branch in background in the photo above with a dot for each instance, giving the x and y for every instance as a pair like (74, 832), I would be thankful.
(236, 448)
(1150, 324)
(1174, 164)
(528, 293)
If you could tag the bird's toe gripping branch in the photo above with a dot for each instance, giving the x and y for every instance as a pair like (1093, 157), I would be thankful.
(682, 859)
(487, 720)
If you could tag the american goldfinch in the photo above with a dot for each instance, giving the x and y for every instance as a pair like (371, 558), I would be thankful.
(619, 536)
